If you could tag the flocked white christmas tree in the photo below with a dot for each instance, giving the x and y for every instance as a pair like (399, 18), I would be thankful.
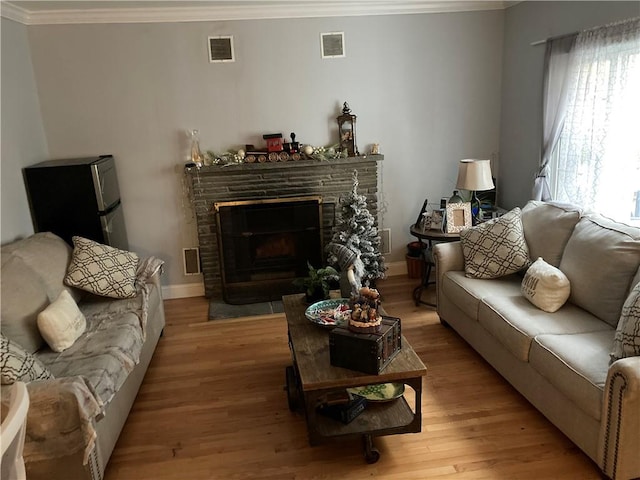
(356, 230)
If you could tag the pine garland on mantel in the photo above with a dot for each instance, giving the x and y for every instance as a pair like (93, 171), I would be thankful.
(238, 157)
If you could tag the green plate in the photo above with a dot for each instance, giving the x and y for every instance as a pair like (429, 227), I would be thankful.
(381, 392)
(323, 313)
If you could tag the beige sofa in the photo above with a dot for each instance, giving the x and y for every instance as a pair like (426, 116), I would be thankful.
(75, 419)
(560, 361)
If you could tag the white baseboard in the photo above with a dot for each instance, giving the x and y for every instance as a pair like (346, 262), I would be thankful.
(183, 291)
(197, 289)
(396, 268)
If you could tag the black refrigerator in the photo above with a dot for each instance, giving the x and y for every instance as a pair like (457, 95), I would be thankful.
(77, 196)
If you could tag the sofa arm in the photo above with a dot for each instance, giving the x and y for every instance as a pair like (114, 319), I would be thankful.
(149, 271)
(619, 441)
(60, 420)
(447, 257)
(155, 280)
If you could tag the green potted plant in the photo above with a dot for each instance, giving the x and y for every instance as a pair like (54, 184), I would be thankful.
(317, 284)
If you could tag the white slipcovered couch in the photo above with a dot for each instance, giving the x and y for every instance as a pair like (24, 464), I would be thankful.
(560, 361)
(79, 398)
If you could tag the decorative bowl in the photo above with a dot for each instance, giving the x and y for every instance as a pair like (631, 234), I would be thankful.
(381, 392)
(329, 313)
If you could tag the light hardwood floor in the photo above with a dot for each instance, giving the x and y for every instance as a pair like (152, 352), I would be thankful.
(212, 406)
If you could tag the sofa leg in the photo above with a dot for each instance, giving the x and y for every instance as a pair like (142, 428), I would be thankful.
(444, 323)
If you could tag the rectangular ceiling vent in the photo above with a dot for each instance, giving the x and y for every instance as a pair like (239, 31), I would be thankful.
(332, 44)
(221, 49)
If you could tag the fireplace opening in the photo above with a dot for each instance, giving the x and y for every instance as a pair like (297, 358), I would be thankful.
(266, 244)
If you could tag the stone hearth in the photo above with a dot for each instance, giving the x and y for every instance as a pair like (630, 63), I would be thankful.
(329, 179)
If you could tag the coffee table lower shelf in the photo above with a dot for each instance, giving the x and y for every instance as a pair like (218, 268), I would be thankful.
(378, 418)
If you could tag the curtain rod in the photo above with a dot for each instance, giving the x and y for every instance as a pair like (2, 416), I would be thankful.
(557, 37)
(614, 24)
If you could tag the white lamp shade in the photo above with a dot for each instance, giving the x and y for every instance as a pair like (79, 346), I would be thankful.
(474, 175)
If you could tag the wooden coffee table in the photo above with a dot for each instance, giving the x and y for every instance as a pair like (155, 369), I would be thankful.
(312, 376)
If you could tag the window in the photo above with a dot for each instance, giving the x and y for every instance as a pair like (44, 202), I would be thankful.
(596, 161)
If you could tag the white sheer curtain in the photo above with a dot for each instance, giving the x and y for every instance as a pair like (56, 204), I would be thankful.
(598, 154)
(554, 96)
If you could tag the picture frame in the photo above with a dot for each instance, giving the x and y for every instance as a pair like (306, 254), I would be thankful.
(437, 219)
(458, 217)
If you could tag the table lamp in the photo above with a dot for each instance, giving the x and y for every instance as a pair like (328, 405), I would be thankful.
(475, 176)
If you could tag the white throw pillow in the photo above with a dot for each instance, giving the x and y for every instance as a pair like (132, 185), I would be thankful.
(62, 322)
(495, 248)
(545, 286)
(102, 269)
(626, 342)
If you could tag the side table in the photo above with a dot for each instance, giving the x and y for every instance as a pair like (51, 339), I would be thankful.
(426, 238)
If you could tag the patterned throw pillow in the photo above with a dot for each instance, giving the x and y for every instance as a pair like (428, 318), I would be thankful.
(495, 248)
(545, 286)
(18, 365)
(626, 342)
(102, 269)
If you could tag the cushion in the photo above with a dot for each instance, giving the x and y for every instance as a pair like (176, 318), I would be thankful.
(576, 364)
(545, 286)
(547, 228)
(107, 352)
(22, 299)
(516, 322)
(626, 342)
(61, 323)
(467, 293)
(48, 255)
(18, 365)
(102, 269)
(600, 260)
(495, 248)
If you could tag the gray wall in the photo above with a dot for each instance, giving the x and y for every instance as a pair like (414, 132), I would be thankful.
(23, 140)
(426, 87)
(522, 71)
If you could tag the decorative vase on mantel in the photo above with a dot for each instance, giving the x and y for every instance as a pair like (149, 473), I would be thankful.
(196, 155)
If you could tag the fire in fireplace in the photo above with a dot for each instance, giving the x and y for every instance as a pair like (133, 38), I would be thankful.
(266, 244)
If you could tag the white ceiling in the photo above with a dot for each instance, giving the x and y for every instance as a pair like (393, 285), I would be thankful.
(64, 12)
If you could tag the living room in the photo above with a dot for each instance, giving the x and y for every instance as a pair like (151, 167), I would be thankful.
(463, 78)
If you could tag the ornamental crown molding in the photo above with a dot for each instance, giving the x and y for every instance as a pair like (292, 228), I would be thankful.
(79, 12)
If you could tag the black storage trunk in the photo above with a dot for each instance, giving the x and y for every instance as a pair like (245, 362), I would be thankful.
(366, 352)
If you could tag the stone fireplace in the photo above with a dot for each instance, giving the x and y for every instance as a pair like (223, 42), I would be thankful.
(270, 184)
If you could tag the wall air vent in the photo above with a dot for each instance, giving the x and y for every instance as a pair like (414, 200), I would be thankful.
(221, 49)
(332, 44)
(191, 260)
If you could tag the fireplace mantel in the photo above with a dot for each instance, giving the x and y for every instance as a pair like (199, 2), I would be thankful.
(330, 179)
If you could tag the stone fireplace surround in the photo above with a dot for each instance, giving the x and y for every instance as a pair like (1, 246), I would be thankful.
(330, 179)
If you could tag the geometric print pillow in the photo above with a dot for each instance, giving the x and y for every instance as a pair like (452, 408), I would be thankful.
(626, 342)
(102, 269)
(495, 248)
(18, 365)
